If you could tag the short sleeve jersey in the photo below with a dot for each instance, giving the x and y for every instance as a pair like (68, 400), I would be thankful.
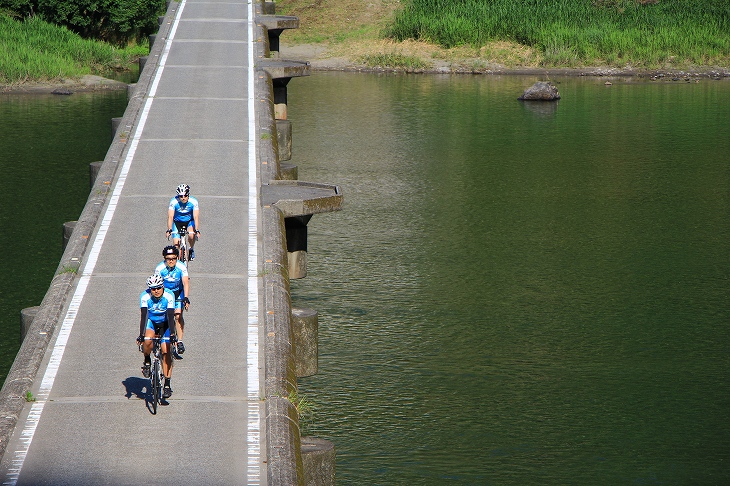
(183, 212)
(172, 276)
(157, 308)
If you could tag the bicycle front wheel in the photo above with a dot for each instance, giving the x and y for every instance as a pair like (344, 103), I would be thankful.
(156, 385)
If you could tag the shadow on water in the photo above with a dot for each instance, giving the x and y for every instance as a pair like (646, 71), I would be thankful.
(545, 109)
(128, 76)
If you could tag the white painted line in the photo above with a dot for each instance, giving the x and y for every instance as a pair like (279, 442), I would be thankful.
(201, 98)
(208, 67)
(215, 19)
(253, 436)
(180, 140)
(59, 347)
(212, 41)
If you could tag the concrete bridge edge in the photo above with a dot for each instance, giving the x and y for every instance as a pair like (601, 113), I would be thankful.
(282, 434)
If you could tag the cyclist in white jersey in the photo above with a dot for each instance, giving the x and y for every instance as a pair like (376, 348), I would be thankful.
(184, 210)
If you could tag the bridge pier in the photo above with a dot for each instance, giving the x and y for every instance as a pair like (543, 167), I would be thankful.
(280, 98)
(289, 172)
(94, 169)
(68, 229)
(275, 25)
(296, 245)
(283, 138)
(26, 319)
(318, 458)
(305, 328)
(116, 121)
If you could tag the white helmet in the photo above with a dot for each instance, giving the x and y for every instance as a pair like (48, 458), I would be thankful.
(155, 281)
(183, 190)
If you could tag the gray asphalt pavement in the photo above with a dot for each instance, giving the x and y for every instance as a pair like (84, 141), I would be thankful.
(95, 427)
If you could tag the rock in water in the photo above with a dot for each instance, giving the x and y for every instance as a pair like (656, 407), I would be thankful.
(542, 91)
(61, 91)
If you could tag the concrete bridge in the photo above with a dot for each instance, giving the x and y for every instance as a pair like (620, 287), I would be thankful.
(209, 110)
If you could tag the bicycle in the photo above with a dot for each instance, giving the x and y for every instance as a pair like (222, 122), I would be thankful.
(184, 255)
(157, 378)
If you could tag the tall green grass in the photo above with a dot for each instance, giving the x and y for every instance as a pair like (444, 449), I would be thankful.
(578, 32)
(33, 50)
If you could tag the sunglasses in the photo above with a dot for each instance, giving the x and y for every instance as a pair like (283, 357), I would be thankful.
(157, 288)
(171, 258)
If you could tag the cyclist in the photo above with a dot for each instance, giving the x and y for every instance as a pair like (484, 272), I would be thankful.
(175, 275)
(157, 306)
(184, 210)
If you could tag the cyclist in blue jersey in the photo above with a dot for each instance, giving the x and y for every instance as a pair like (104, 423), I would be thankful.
(157, 307)
(175, 275)
(184, 211)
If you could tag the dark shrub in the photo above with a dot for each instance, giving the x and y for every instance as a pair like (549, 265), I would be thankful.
(115, 21)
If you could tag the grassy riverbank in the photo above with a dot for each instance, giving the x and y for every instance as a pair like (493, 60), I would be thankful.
(434, 35)
(479, 36)
(36, 51)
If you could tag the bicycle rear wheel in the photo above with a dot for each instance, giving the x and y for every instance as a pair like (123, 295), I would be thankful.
(156, 385)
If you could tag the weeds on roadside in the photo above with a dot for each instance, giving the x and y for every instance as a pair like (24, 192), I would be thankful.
(69, 269)
(304, 408)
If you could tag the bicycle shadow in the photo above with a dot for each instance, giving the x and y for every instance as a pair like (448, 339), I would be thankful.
(140, 388)
(137, 387)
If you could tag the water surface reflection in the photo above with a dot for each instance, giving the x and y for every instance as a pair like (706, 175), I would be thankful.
(517, 294)
(46, 145)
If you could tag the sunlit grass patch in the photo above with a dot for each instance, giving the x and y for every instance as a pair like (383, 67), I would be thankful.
(510, 54)
(336, 21)
(36, 50)
(394, 60)
(575, 33)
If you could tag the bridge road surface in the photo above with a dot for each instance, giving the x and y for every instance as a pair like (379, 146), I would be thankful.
(95, 427)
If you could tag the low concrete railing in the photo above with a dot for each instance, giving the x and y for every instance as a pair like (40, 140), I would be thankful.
(290, 350)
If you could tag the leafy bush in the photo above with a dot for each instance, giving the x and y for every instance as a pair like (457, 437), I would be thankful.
(114, 21)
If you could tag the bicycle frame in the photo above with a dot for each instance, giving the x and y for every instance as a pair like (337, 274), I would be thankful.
(183, 246)
(184, 253)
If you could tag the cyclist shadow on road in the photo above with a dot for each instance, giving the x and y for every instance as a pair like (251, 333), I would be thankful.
(140, 389)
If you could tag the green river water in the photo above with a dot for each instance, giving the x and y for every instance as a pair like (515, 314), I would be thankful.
(519, 294)
(46, 145)
(514, 294)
